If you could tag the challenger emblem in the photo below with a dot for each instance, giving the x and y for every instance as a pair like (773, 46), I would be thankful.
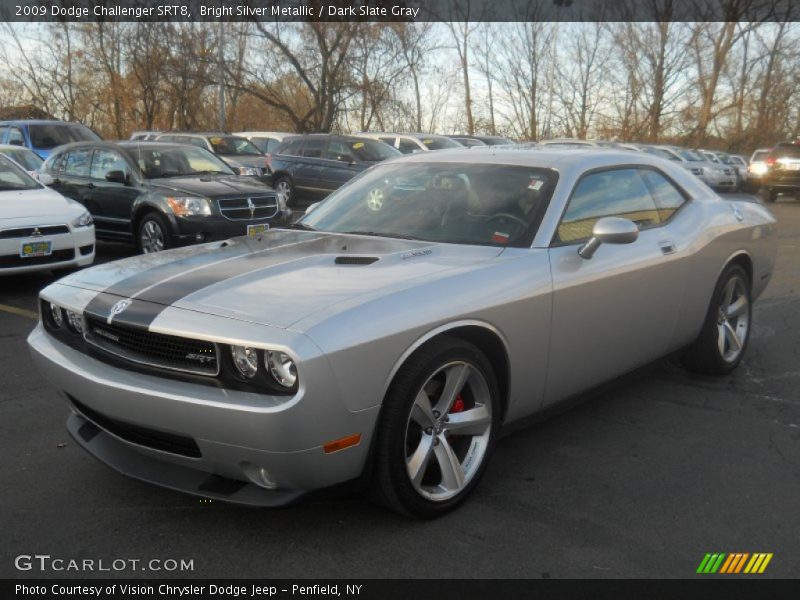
(118, 308)
(201, 358)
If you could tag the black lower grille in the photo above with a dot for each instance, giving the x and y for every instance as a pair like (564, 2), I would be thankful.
(153, 349)
(14, 260)
(246, 209)
(86, 250)
(26, 232)
(143, 436)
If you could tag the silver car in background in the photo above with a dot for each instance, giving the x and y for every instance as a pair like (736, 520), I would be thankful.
(390, 333)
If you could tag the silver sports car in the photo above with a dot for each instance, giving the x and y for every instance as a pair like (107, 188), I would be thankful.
(389, 334)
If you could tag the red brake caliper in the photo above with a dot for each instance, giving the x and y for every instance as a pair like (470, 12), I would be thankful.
(458, 405)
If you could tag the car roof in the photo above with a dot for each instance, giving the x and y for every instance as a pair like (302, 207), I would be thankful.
(15, 147)
(40, 122)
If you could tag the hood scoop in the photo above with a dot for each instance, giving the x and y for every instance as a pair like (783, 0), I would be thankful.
(355, 260)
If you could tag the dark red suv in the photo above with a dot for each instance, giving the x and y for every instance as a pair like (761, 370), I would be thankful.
(783, 170)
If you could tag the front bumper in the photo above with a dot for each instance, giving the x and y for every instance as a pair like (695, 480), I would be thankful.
(190, 230)
(237, 433)
(74, 249)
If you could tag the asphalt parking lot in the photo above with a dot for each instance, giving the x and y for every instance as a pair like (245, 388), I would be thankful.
(639, 481)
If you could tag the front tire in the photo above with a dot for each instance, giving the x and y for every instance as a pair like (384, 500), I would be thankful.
(722, 342)
(153, 234)
(284, 191)
(437, 431)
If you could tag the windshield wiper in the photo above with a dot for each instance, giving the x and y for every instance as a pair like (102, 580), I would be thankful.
(399, 236)
(302, 226)
(208, 173)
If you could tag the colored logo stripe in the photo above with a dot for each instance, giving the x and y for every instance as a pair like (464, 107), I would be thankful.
(735, 562)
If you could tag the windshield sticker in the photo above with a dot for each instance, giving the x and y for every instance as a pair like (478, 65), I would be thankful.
(427, 142)
(358, 145)
(535, 184)
(216, 140)
(500, 238)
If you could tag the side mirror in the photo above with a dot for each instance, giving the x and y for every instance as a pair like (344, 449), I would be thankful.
(609, 230)
(117, 177)
(311, 207)
(346, 158)
(45, 179)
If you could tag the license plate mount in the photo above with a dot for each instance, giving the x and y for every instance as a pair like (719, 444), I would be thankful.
(36, 248)
(256, 230)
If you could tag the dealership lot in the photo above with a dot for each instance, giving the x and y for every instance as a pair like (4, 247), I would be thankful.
(640, 481)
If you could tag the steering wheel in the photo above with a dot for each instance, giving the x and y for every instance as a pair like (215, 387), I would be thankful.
(509, 217)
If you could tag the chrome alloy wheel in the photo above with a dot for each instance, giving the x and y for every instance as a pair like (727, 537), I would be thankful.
(448, 431)
(284, 192)
(733, 320)
(152, 237)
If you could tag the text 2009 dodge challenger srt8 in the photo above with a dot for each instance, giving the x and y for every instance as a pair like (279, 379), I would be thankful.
(400, 323)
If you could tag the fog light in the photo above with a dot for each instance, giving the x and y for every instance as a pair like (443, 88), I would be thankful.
(246, 360)
(75, 322)
(282, 368)
(260, 476)
(56, 315)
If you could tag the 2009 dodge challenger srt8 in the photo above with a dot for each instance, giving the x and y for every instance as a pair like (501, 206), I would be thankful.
(390, 333)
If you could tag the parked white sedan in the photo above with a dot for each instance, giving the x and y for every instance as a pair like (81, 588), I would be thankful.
(39, 228)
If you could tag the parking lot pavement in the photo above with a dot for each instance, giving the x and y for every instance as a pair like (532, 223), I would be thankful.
(639, 481)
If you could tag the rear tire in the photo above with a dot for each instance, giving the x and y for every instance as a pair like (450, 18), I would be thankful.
(722, 342)
(437, 430)
(769, 194)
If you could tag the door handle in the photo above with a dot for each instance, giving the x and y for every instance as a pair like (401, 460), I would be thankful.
(667, 247)
(90, 185)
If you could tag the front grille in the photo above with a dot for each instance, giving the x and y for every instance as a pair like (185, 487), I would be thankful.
(248, 209)
(153, 349)
(142, 436)
(15, 260)
(26, 232)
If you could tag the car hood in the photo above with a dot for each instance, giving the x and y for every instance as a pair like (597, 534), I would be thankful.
(37, 203)
(277, 280)
(211, 186)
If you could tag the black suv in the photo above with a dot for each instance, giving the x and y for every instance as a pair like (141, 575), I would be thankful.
(161, 195)
(783, 170)
(314, 165)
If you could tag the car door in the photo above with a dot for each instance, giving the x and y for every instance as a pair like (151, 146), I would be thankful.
(73, 180)
(617, 310)
(341, 165)
(308, 175)
(112, 199)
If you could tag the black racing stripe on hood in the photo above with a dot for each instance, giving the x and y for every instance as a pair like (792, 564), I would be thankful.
(151, 299)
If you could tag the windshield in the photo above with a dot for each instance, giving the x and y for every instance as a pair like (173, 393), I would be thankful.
(232, 145)
(23, 157)
(662, 153)
(47, 136)
(12, 178)
(692, 156)
(439, 143)
(760, 155)
(484, 204)
(373, 151)
(156, 162)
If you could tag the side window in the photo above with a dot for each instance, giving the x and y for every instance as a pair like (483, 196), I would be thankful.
(407, 146)
(15, 136)
(292, 148)
(77, 163)
(314, 148)
(668, 198)
(260, 143)
(55, 163)
(616, 193)
(105, 161)
(3, 131)
(336, 149)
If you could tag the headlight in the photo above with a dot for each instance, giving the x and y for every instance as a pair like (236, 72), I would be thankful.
(56, 315)
(282, 368)
(75, 322)
(83, 221)
(245, 360)
(248, 171)
(183, 207)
